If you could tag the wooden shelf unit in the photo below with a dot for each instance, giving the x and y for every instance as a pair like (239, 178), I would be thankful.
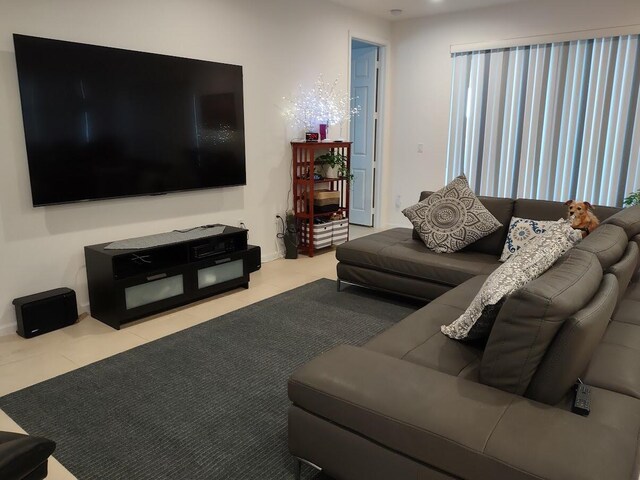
(304, 187)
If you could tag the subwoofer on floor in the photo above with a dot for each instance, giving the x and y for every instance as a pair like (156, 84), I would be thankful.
(254, 261)
(46, 311)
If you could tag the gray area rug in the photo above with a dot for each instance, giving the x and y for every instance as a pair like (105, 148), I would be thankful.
(209, 402)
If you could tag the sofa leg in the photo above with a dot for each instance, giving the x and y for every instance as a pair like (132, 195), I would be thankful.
(338, 284)
(298, 467)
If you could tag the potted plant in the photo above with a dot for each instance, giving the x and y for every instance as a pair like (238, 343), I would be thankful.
(632, 199)
(334, 165)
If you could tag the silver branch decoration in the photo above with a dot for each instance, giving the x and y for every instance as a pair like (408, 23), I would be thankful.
(322, 103)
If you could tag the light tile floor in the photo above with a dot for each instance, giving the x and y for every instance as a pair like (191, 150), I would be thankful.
(26, 362)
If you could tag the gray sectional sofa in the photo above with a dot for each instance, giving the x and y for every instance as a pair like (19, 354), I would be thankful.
(414, 404)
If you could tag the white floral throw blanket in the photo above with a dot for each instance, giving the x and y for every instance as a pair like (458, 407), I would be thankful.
(533, 259)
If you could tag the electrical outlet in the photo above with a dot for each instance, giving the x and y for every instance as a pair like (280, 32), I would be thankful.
(421, 148)
(398, 201)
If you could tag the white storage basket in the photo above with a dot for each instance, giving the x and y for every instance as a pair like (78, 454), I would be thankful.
(322, 234)
(340, 232)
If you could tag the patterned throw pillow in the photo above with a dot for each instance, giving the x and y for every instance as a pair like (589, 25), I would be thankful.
(521, 230)
(451, 218)
(533, 259)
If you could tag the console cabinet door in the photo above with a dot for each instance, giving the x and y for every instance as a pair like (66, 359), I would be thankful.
(153, 291)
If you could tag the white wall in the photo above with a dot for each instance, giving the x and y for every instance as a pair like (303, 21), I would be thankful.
(280, 44)
(421, 69)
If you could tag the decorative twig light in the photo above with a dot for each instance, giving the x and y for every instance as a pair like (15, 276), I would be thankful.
(322, 103)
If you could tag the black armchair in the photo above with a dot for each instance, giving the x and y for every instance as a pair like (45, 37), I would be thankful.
(23, 457)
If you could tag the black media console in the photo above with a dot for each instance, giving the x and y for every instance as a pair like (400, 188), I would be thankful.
(125, 285)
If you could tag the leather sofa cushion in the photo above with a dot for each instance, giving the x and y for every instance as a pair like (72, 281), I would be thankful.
(346, 454)
(615, 368)
(636, 240)
(427, 415)
(603, 212)
(612, 409)
(417, 338)
(550, 210)
(388, 282)
(539, 209)
(569, 354)
(531, 317)
(624, 334)
(394, 251)
(537, 439)
(625, 268)
(628, 219)
(501, 209)
(607, 242)
(628, 311)
(615, 365)
(633, 291)
(460, 427)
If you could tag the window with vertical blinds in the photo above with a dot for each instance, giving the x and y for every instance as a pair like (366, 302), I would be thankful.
(557, 121)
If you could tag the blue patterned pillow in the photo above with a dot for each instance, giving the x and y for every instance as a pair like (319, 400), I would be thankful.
(521, 230)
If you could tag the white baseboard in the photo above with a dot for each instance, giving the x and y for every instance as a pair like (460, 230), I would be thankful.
(7, 330)
(270, 257)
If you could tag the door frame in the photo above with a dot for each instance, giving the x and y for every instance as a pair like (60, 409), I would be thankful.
(383, 49)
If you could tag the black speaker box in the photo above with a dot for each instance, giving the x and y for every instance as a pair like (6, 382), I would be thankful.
(46, 311)
(253, 258)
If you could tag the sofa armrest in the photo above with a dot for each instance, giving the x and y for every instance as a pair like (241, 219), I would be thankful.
(467, 429)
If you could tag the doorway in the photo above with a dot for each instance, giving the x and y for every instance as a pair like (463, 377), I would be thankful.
(364, 130)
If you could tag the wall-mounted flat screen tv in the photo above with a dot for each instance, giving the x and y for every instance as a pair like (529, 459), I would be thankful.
(104, 122)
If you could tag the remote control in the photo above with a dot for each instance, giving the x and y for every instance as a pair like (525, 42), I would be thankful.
(582, 402)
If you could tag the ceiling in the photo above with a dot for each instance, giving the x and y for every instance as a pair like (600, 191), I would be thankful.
(417, 8)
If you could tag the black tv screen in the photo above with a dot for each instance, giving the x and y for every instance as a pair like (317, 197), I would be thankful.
(104, 122)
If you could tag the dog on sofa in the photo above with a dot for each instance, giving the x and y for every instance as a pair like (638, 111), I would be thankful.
(582, 216)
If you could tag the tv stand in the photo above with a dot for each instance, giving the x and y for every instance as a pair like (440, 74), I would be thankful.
(125, 285)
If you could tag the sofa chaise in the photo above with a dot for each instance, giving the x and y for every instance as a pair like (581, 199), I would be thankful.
(415, 404)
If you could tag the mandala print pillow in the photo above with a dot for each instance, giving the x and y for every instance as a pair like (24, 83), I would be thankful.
(451, 218)
(521, 230)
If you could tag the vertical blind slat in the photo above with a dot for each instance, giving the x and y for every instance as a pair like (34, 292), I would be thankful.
(571, 109)
(493, 122)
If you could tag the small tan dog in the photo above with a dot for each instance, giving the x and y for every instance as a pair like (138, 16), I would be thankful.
(583, 217)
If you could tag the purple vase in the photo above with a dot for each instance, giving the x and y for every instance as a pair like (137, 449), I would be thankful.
(323, 131)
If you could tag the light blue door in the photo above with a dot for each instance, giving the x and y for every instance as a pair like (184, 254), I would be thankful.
(363, 129)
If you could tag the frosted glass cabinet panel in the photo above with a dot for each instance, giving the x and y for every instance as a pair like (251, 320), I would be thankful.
(150, 292)
(220, 273)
